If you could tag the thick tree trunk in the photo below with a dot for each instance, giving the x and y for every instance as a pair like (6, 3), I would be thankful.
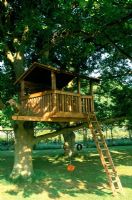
(24, 140)
(69, 143)
(85, 136)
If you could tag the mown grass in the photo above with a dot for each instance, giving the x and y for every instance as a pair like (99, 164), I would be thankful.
(53, 181)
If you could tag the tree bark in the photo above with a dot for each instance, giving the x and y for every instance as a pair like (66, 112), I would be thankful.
(24, 140)
(85, 136)
(69, 143)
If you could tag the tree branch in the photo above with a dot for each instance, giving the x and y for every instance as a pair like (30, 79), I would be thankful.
(118, 21)
(117, 47)
(56, 133)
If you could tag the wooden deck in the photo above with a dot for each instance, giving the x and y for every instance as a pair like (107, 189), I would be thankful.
(55, 105)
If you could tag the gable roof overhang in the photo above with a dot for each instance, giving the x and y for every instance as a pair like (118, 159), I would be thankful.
(41, 74)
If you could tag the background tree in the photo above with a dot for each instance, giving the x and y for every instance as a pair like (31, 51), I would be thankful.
(83, 36)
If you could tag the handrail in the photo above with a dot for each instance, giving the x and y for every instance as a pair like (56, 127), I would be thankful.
(66, 93)
(39, 94)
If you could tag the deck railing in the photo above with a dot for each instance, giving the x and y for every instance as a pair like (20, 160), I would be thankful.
(55, 101)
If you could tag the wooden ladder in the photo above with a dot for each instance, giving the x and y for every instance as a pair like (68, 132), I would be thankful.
(104, 153)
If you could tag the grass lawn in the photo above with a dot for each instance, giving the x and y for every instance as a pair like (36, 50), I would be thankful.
(53, 181)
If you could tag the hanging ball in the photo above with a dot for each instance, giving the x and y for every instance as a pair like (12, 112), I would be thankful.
(70, 168)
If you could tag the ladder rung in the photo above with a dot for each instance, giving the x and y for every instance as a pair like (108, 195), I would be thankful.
(105, 153)
(104, 149)
(115, 181)
(113, 174)
(109, 163)
(100, 140)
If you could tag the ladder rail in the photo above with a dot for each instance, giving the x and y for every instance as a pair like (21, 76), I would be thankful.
(105, 156)
(105, 166)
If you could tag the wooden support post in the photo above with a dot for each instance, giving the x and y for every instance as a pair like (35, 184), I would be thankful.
(22, 89)
(91, 88)
(79, 85)
(91, 93)
(53, 80)
(53, 87)
(79, 92)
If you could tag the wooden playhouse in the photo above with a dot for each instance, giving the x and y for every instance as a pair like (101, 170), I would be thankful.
(43, 97)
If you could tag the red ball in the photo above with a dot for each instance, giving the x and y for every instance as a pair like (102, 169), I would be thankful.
(70, 168)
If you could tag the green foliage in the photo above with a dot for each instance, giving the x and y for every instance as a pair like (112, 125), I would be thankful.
(86, 36)
(4, 120)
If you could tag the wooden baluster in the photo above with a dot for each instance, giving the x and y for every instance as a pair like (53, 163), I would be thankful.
(80, 103)
(66, 103)
(41, 105)
(51, 102)
(91, 93)
(92, 104)
(46, 103)
(88, 104)
(74, 105)
(63, 102)
(57, 102)
(83, 105)
(53, 86)
(60, 102)
(71, 104)
(47, 100)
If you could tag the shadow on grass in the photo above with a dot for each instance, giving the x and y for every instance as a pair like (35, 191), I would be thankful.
(52, 177)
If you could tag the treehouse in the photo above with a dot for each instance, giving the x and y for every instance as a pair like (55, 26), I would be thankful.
(43, 96)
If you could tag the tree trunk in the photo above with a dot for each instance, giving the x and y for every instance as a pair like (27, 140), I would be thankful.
(24, 140)
(69, 143)
(85, 136)
(130, 133)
